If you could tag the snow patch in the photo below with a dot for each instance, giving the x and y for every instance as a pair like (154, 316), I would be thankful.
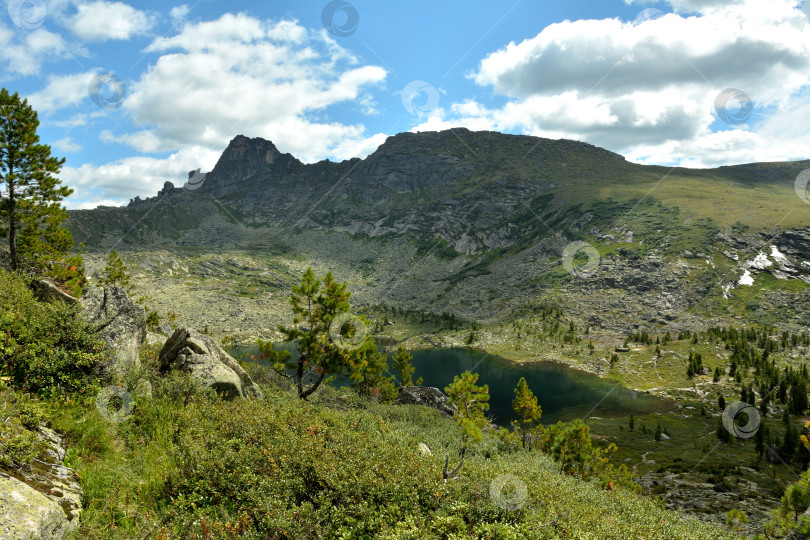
(761, 262)
(746, 279)
(778, 256)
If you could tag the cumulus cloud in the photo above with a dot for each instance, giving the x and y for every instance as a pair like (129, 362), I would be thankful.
(648, 90)
(102, 21)
(239, 74)
(62, 91)
(67, 145)
(233, 75)
(121, 180)
(22, 53)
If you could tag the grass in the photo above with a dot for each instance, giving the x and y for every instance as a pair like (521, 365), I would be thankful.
(339, 466)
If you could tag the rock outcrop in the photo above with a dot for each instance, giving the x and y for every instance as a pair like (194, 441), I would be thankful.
(427, 396)
(47, 291)
(43, 500)
(199, 355)
(120, 322)
(26, 513)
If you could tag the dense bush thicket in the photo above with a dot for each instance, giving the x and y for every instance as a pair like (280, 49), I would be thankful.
(44, 348)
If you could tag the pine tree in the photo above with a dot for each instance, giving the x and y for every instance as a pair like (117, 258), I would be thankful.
(31, 212)
(471, 402)
(401, 364)
(527, 410)
(115, 273)
(325, 348)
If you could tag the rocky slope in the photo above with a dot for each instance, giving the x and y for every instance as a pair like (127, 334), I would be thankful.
(481, 224)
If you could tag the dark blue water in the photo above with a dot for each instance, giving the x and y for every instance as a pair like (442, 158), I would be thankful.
(563, 393)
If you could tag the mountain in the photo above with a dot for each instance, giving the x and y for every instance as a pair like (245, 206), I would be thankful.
(482, 224)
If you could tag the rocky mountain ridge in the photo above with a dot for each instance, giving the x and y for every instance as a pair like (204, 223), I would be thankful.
(479, 222)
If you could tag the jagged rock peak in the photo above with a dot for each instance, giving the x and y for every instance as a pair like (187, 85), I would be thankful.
(247, 158)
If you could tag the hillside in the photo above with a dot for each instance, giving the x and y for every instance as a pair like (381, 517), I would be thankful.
(185, 462)
(477, 223)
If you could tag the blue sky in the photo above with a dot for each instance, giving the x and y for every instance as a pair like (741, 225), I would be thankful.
(137, 93)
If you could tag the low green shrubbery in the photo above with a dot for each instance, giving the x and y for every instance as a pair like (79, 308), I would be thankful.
(44, 348)
(186, 464)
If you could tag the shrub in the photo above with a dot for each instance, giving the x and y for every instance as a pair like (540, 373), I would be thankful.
(45, 348)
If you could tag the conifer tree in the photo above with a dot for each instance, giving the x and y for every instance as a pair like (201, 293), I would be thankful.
(115, 273)
(31, 212)
(471, 402)
(401, 364)
(527, 410)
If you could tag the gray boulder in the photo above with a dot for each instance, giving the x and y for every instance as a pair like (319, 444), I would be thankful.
(427, 396)
(43, 500)
(47, 291)
(120, 322)
(25, 513)
(206, 362)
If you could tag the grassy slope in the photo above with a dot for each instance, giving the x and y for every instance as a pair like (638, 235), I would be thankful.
(344, 468)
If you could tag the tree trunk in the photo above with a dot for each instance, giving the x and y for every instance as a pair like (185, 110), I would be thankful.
(12, 225)
(312, 388)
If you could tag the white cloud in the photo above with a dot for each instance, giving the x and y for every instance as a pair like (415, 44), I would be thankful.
(179, 13)
(62, 91)
(22, 53)
(90, 205)
(102, 21)
(123, 179)
(67, 145)
(239, 74)
(648, 90)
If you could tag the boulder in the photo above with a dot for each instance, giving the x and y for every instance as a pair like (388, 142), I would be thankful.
(427, 396)
(26, 513)
(120, 321)
(47, 291)
(43, 500)
(200, 356)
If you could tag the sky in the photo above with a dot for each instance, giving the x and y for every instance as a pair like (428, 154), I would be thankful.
(133, 94)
